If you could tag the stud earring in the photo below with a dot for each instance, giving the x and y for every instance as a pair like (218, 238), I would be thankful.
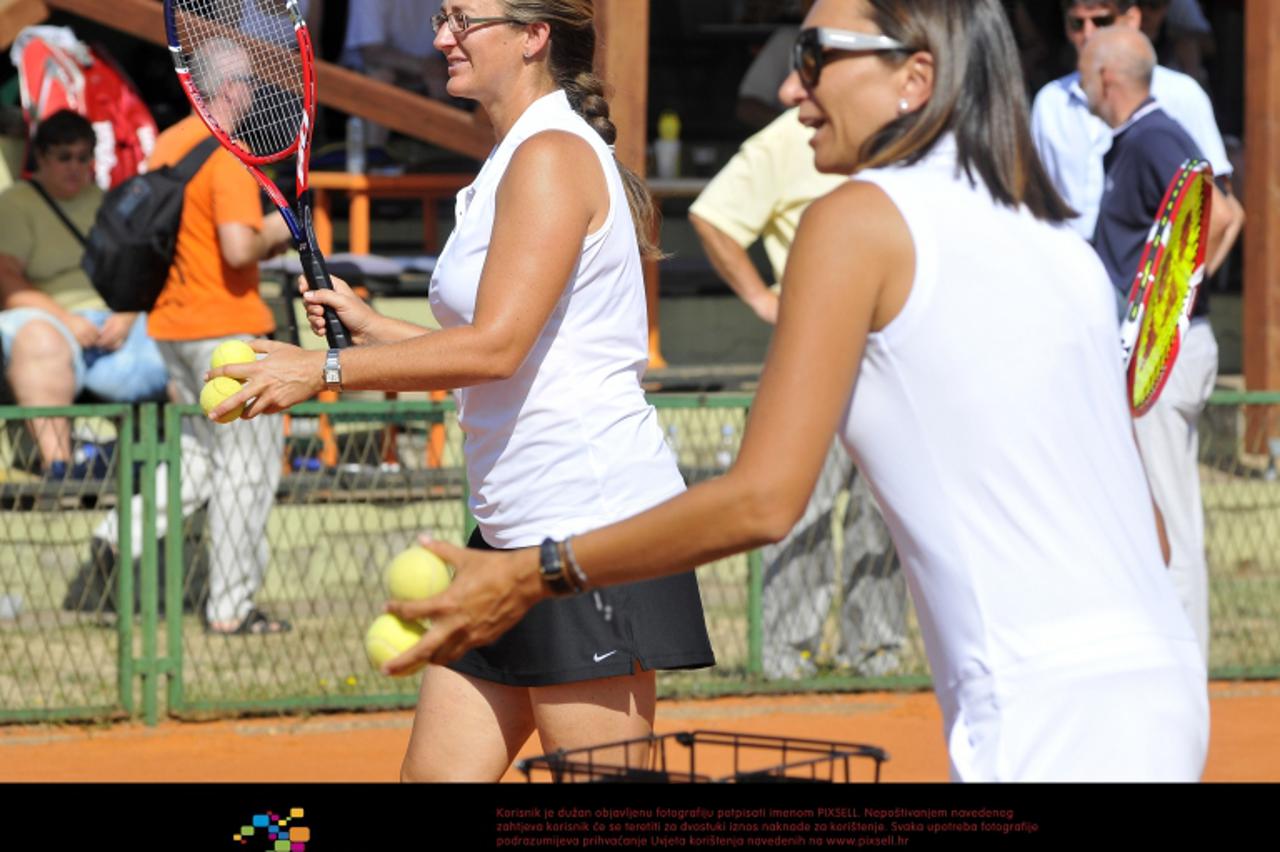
(903, 106)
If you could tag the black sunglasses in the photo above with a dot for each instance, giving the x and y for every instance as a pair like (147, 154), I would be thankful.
(1076, 25)
(813, 44)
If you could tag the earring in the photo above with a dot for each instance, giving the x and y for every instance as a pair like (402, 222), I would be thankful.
(903, 107)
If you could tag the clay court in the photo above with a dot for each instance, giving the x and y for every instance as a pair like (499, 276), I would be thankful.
(367, 747)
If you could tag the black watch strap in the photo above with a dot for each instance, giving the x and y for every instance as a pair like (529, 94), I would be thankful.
(552, 569)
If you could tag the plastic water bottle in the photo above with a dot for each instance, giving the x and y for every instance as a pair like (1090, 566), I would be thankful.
(666, 150)
(355, 145)
(728, 444)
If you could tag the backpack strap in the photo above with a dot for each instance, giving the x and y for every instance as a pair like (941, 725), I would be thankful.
(53, 205)
(187, 167)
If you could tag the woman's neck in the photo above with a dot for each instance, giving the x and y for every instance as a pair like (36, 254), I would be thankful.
(505, 111)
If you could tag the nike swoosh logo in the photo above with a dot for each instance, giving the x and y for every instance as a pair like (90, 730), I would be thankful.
(599, 657)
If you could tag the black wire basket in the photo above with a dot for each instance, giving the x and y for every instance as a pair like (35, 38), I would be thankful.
(674, 759)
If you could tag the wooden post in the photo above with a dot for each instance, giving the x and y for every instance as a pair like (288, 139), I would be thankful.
(345, 90)
(622, 58)
(17, 14)
(1261, 314)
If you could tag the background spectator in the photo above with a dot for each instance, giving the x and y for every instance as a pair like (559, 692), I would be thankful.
(59, 337)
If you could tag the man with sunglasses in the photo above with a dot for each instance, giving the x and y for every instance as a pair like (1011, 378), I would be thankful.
(1072, 141)
(57, 334)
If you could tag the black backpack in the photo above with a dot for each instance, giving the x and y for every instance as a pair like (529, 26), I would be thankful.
(130, 247)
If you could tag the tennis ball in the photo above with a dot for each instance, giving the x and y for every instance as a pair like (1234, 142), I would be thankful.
(417, 573)
(232, 352)
(215, 391)
(390, 636)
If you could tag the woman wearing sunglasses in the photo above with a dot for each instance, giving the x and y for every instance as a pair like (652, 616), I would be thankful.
(939, 317)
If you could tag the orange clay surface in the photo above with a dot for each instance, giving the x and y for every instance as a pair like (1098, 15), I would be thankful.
(1244, 746)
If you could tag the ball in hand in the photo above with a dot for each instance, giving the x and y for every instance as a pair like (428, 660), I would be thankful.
(417, 573)
(215, 391)
(232, 352)
(390, 636)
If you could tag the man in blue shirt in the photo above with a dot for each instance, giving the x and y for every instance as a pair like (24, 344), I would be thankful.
(1147, 148)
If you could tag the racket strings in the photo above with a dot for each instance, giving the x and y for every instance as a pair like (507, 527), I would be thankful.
(1172, 283)
(246, 66)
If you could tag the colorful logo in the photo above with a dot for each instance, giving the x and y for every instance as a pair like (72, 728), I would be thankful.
(271, 832)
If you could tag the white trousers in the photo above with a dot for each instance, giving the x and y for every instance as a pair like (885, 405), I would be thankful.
(236, 468)
(1169, 439)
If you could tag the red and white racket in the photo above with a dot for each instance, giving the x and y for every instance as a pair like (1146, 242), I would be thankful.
(248, 69)
(1165, 286)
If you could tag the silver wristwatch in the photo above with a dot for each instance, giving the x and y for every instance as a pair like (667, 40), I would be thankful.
(332, 371)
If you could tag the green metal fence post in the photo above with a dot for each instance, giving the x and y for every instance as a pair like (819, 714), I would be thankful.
(124, 547)
(755, 613)
(147, 664)
(174, 555)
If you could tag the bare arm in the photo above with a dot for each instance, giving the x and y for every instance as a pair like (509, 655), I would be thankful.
(733, 264)
(828, 312)
(1226, 219)
(545, 208)
(18, 292)
(242, 245)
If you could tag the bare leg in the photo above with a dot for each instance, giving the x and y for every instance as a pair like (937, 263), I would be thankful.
(465, 729)
(591, 712)
(41, 373)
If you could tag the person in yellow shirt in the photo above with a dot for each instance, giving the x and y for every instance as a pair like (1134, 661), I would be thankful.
(761, 194)
(59, 338)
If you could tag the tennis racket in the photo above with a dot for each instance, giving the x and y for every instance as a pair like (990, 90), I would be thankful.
(1165, 286)
(248, 70)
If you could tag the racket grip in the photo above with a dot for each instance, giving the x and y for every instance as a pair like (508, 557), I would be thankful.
(317, 273)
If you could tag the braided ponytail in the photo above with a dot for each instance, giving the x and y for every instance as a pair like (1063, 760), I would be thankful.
(572, 57)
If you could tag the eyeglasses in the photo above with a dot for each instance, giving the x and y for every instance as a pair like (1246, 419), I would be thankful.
(68, 156)
(1076, 24)
(460, 22)
(813, 44)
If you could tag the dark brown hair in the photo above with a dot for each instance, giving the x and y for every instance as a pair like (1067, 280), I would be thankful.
(572, 65)
(978, 95)
(63, 127)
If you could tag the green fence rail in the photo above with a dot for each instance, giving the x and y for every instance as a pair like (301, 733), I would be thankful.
(82, 639)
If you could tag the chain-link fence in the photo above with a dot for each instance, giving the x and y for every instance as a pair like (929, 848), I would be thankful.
(317, 503)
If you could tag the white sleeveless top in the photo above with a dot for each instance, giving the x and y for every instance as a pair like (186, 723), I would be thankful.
(569, 442)
(989, 418)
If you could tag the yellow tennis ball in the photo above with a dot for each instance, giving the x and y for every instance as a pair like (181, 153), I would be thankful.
(390, 636)
(232, 352)
(215, 391)
(416, 574)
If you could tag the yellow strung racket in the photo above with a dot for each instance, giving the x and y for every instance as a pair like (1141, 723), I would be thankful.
(1165, 286)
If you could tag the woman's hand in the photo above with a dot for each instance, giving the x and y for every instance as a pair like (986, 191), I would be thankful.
(489, 594)
(354, 313)
(287, 376)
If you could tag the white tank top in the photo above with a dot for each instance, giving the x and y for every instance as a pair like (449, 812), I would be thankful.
(989, 418)
(569, 442)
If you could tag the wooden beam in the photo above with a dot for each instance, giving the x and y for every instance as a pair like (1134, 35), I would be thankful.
(414, 115)
(1261, 314)
(17, 14)
(622, 58)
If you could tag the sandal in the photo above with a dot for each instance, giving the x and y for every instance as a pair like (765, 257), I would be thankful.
(256, 623)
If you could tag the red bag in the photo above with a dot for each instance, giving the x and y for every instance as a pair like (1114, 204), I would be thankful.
(58, 71)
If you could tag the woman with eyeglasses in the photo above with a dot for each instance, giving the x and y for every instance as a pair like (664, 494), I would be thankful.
(540, 293)
(940, 318)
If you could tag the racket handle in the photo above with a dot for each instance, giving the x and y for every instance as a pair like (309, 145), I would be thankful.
(318, 279)
(313, 267)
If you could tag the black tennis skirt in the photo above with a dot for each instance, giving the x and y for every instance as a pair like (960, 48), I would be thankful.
(601, 633)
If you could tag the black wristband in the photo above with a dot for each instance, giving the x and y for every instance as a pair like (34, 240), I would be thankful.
(552, 569)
